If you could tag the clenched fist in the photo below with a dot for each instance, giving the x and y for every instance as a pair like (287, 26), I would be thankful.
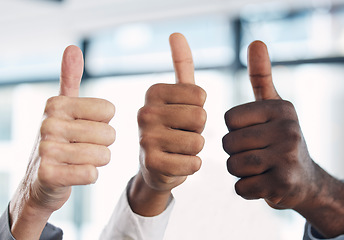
(170, 125)
(269, 154)
(72, 143)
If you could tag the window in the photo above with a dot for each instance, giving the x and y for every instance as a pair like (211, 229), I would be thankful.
(122, 63)
(144, 48)
(298, 35)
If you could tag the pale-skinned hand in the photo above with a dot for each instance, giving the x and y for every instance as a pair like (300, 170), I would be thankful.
(73, 141)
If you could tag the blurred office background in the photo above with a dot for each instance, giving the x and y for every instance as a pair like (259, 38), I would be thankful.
(126, 50)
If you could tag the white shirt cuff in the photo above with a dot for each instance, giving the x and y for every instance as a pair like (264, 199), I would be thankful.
(124, 224)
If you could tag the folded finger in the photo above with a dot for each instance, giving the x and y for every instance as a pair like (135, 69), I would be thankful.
(67, 175)
(182, 142)
(171, 164)
(249, 163)
(257, 113)
(254, 187)
(74, 154)
(188, 94)
(93, 109)
(77, 131)
(249, 138)
(176, 116)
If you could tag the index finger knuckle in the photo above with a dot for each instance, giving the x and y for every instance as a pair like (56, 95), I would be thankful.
(54, 105)
(154, 91)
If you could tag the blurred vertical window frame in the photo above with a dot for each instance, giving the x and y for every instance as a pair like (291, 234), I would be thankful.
(6, 114)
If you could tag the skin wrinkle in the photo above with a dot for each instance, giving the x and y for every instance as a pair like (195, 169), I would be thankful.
(151, 187)
(48, 181)
(253, 159)
(268, 75)
(292, 180)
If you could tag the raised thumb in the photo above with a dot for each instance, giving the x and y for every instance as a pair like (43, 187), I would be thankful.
(259, 69)
(72, 68)
(182, 59)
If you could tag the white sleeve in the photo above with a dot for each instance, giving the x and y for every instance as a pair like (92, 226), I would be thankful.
(124, 224)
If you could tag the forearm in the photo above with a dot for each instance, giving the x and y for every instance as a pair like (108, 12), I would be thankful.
(26, 220)
(325, 208)
(146, 201)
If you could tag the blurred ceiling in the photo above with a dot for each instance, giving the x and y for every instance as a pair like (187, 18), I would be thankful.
(35, 24)
(75, 17)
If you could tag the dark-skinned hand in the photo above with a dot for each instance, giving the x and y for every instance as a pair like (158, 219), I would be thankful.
(268, 154)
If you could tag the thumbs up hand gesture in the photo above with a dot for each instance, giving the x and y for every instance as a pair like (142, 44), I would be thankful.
(170, 126)
(269, 154)
(265, 143)
(72, 143)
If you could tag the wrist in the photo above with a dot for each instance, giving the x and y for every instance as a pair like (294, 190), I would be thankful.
(316, 192)
(27, 219)
(146, 201)
(324, 206)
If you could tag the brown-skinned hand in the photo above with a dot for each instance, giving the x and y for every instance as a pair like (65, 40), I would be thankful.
(170, 126)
